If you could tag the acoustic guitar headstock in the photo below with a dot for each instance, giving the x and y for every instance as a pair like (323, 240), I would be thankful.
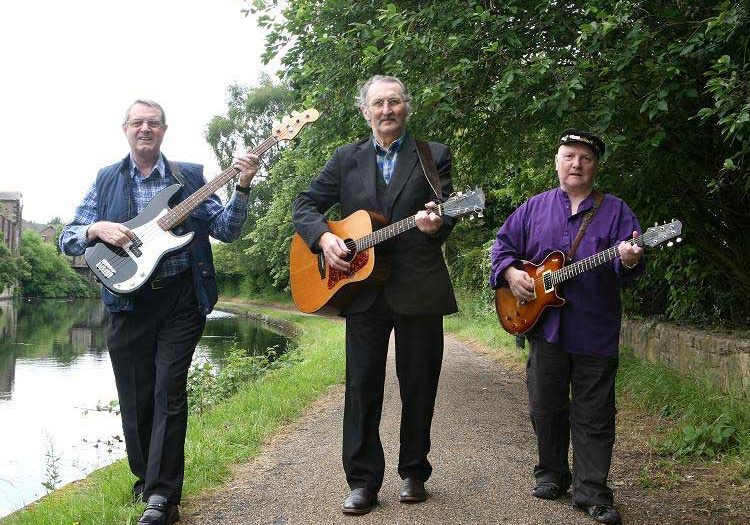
(461, 204)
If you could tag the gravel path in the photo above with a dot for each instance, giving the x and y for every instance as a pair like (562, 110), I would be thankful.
(483, 451)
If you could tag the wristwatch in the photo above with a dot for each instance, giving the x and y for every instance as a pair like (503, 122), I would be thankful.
(242, 189)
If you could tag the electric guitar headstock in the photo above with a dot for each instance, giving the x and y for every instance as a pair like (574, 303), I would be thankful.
(659, 234)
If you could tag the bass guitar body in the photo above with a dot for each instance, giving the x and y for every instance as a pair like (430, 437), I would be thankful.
(124, 270)
(519, 317)
(318, 287)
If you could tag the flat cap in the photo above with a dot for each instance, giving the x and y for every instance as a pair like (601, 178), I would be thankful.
(576, 136)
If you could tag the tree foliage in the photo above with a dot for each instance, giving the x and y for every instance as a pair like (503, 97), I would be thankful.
(49, 274)
(245, 267)
(664, 82)
(12, 268)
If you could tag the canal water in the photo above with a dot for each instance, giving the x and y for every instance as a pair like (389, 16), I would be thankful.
(56, 384)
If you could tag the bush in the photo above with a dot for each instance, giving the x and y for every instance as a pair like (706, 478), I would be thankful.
(50, 274)
(704, 439)
(208, 384)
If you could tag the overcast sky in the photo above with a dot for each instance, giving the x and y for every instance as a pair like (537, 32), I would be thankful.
(70, 69)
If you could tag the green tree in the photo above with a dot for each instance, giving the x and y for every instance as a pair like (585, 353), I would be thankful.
(253, 114)
(49, 273)
(665, 83)
(12, 268)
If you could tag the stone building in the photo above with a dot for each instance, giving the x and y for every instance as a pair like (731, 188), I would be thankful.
(10, 225)
(10, 219)
(48, 234)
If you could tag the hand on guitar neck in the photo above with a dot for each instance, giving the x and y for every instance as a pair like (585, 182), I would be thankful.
(428, 221)
(630, 253)
(338, 255)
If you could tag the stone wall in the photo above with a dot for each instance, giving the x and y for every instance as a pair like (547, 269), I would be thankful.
(723, 360)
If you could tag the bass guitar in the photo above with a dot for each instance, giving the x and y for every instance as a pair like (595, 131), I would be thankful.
(123, 270)
(518, 317)
(316, 286)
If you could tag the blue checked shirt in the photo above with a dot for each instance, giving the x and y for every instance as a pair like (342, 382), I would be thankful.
(226, 222)
(387, 158)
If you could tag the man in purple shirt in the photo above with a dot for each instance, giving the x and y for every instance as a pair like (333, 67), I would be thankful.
(573, 356)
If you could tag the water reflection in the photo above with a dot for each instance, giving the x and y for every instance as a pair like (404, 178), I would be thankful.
(54, 372)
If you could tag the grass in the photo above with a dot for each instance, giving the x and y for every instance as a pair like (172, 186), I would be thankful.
(231, 432)
(704, 421)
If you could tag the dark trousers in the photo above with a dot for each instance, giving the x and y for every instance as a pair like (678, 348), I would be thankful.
(572, 397)
(419, 355)
(151, 350)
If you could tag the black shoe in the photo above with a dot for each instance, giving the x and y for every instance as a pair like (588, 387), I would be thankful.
(602, 513)
(548, 491)
(413, 491)
(159, 512)
(360, 501)
(138, 487)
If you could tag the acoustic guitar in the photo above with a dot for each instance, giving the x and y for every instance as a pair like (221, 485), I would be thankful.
(316, 286)
(123, 270)
(520, 317)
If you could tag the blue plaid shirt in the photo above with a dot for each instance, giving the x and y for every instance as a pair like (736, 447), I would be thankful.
(226, 221)
(387, 158)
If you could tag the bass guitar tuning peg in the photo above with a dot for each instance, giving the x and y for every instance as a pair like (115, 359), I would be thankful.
(480, 214)
(670, 244)
(679, 239)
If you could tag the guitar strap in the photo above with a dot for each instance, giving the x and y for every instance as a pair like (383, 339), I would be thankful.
(598, 197)
(429, 169)
(176, 172)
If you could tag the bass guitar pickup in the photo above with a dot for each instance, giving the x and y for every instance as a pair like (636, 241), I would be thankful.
(106, 269)
(135, 246)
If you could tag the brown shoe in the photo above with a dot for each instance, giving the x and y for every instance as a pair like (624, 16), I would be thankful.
(413, 491)
(360, 501)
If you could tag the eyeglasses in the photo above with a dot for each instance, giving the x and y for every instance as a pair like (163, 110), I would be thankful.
(138, 122)
(391, 102)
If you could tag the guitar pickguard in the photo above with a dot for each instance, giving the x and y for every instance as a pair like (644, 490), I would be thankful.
(359, 262)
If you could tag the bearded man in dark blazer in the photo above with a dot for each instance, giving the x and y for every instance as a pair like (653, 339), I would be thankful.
(382, 173)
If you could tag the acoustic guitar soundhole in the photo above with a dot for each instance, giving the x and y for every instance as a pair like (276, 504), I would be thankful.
(359, 262)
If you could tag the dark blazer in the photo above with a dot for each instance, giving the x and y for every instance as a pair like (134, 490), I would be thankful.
(419, 283)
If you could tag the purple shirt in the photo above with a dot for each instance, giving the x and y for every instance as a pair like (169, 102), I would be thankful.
(589, 322)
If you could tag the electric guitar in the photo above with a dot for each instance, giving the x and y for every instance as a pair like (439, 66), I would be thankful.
(518, 317)
(316, 286)
(123, 270)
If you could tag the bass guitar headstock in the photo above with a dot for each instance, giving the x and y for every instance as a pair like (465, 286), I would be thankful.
(292, 124)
